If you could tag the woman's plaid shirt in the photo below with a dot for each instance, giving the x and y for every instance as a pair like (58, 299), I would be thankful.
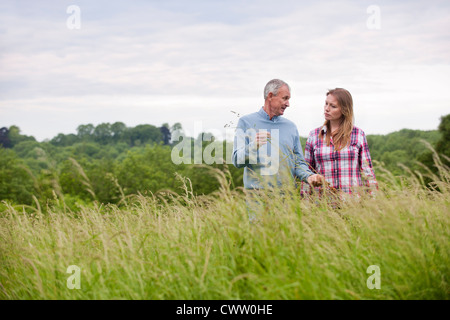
(344, 170)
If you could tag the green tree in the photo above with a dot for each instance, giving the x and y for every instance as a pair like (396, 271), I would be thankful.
(5, 142)
(63, 140)
(142, 134)
(118, 130)
(176, 127)
(89, 149)
(165, 130)
(443, 145)
(16, 182)
(32, 153)
(85, 131)
(148, 169)
(103, 133)
(15, 137)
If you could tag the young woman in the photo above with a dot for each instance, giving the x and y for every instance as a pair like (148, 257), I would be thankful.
(338, 150)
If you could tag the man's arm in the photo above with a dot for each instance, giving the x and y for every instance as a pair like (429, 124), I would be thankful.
(242, 148)
(309, 151)
(302, 169)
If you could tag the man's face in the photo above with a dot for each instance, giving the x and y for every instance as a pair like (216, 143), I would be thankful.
(280, 102)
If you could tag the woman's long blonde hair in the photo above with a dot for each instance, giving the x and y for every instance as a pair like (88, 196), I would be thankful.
(341, 137)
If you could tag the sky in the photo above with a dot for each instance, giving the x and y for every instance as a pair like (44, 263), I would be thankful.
(205, 63)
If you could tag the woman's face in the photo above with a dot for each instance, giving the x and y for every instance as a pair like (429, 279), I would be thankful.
(332, 109)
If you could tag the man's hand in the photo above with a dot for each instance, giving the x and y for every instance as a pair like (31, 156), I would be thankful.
(316, 180)
(261, 138)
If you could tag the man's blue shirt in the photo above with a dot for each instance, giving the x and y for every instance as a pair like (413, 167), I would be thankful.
(275, 163)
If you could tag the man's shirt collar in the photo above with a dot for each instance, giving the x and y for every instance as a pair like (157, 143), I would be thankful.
(264, 114)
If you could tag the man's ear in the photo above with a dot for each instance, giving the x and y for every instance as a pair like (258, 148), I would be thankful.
(270, 95)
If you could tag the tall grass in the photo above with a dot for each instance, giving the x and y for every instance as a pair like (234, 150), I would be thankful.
(167, 246)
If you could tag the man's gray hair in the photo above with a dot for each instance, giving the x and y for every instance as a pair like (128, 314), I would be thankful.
(273, 86)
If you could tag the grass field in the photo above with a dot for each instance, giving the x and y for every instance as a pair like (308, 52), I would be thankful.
(165, 246)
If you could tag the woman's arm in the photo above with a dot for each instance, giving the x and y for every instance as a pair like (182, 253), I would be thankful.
(365, 163)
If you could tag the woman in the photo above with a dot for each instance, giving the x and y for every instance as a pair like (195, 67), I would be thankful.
(338, 150)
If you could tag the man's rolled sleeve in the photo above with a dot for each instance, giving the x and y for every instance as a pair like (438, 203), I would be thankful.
(301, 167)
(243, 149)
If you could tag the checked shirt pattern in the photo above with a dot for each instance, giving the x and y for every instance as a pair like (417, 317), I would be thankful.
(344, 170)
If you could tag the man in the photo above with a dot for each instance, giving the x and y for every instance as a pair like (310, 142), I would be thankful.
(268, 146)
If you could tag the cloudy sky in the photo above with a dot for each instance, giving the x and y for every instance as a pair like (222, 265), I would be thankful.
(200, 62)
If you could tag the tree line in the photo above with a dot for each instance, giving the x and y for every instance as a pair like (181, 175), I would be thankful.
(109, 162)
(104, 163)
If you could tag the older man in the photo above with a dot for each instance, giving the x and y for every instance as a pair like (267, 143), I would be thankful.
(268, 146)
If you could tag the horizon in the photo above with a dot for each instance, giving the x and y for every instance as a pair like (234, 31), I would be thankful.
(195, 133)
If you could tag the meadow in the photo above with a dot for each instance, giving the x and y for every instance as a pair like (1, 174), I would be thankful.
(185, 246)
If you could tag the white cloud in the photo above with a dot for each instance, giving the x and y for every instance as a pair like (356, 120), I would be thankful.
(158, 63)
